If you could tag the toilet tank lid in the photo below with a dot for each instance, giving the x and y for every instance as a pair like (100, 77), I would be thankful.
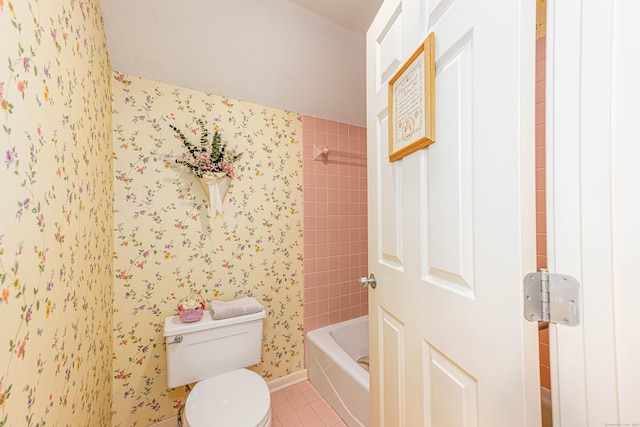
(174, 326)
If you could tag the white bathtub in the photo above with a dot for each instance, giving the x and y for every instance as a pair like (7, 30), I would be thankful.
(332, 354)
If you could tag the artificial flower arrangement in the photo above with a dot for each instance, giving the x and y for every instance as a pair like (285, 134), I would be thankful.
(210, 161)
(208, 157)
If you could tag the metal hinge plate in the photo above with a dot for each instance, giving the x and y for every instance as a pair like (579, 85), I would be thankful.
(551, 298)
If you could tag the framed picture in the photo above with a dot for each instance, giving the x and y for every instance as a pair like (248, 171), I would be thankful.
(412, 103)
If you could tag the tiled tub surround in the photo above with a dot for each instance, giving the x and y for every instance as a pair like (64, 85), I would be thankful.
(335, 222)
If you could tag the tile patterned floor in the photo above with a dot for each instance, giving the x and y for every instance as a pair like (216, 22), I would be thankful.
(301, 405)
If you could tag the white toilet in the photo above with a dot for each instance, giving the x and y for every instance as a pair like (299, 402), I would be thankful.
(214, 353)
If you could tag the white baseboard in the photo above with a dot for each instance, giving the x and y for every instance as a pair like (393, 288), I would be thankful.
(287, 380)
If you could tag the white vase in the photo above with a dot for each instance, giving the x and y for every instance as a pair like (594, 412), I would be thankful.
(216, 186)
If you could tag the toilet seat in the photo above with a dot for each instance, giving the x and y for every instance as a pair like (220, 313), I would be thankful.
(238, 398)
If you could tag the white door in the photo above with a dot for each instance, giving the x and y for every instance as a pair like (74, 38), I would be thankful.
(451, 226)
(593, 204)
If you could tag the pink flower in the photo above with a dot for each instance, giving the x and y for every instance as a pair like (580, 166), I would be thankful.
(25, 63)
(21, 86)
(10, 157)
(21, 349)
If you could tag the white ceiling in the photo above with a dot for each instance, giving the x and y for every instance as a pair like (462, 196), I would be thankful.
(355, 15)
(304, 56)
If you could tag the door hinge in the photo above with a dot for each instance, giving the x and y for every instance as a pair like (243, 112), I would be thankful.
(551, 298)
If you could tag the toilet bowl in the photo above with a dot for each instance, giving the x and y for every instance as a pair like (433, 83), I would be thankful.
(234, 399)
(214, 354)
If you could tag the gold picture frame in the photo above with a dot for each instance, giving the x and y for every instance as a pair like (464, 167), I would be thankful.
(412, 103)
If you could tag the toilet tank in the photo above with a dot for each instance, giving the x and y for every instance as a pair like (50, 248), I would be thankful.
(199, 350)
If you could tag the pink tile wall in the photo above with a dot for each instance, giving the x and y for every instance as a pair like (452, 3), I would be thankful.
(541, 207)
(335, 222)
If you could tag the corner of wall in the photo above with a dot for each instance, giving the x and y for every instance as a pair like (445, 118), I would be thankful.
(56, 232)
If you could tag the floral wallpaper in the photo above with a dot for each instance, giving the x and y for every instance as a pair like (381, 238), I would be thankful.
(56, 215)
(167, 242)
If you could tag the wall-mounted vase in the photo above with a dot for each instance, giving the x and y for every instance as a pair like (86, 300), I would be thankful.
(216, 186)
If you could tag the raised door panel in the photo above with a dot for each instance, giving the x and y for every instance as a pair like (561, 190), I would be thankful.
(449, 207)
